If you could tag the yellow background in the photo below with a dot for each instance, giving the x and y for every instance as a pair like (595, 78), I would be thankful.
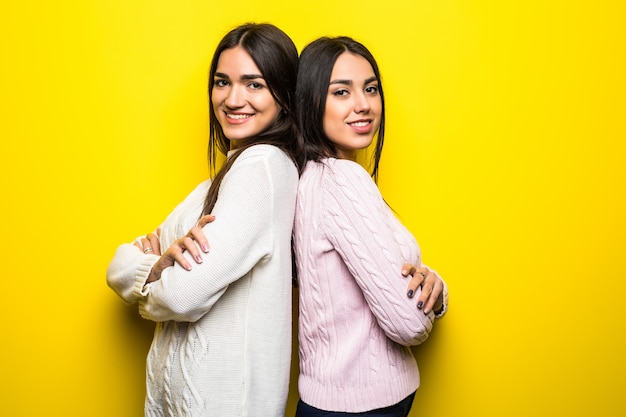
(505, 157)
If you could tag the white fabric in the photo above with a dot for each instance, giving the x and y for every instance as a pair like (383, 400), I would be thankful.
(222, 344)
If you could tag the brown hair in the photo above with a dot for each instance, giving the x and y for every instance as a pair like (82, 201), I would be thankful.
(276, 56)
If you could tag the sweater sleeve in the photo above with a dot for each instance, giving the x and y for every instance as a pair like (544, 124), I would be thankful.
(128, 271)
(358, 224)
(240, 237)
(130, 267)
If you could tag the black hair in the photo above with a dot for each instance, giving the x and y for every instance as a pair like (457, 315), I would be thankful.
(316, 65)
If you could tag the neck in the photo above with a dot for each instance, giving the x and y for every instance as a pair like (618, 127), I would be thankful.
(345, 154)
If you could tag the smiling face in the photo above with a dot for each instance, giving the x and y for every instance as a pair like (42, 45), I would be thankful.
(241, 99)
(353, 105)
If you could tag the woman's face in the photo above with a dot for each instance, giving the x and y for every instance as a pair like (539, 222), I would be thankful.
(353, 105)
(241, 99)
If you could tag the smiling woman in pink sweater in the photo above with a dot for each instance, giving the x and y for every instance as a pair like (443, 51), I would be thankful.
(356, 318)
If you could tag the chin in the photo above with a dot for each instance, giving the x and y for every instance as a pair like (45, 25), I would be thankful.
(236, 136)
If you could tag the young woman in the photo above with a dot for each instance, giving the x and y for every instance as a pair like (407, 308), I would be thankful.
(356, 319)
(222, 344)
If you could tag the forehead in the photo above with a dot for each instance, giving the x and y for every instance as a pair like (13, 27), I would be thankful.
(349, 66)
(235, 61)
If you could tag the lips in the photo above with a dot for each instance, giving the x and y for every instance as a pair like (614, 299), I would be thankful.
(361, 126)
(238, 118)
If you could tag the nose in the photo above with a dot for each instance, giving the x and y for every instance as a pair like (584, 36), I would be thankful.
(235, 97)
(361, 103)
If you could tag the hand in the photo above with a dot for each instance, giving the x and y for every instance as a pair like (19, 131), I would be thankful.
(431, 295)
(150, 243)
(174, 254)
(196, 233)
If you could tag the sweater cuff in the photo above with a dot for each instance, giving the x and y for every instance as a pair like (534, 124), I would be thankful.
(143, 271)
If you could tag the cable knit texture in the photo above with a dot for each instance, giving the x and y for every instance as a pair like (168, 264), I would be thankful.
(356, 321)
(222, 344)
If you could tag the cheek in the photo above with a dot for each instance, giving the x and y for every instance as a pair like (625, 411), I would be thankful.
(332, 116)
(332, 127)
(277, 109)
(268, 105)
(328, 123)
(376, 104)
(378, 108)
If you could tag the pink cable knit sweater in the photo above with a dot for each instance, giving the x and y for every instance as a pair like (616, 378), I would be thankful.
(356, 321)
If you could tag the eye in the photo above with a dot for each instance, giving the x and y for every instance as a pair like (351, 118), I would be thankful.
(256, 85)
(340, 93)
(372, 89)
(221, 83)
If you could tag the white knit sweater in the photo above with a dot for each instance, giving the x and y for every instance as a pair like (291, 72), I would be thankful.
(356, 320)
(222, 344)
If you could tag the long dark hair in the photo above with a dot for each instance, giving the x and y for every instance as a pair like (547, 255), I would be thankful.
(316, 65)
(276, 56)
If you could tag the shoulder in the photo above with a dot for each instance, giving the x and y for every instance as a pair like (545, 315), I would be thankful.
(347, 167)
(336, 168)
(267, 158)
(263, 152)
(344, 173)
(263, 164)
(338, 182)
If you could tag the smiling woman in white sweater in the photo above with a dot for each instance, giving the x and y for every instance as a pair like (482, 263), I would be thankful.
(356, 317)
(222, 344)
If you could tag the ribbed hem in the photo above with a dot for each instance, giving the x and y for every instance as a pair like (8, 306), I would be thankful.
(358, 399)
(143, 271)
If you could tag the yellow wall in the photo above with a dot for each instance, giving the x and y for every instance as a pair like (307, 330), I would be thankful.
(505, 157)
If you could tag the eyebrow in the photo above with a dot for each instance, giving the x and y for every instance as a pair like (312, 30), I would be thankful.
(243, 77)
(349, 82)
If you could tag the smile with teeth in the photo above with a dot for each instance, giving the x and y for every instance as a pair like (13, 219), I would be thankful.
(238, 116)
(359, 123)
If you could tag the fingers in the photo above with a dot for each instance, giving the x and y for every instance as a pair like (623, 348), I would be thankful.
(427, 283)
(154, 243)
(175, 253)
(418, 277)
(149, 244)
(197, 234)
(206, 219)
(408, 269)
(187, 243)
(146, 246)
(432, 288)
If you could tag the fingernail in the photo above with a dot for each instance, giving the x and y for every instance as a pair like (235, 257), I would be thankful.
(205, 247)
(404, 272)
(187, 267)
(199, 258)
(420, 304)
(410, 293)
